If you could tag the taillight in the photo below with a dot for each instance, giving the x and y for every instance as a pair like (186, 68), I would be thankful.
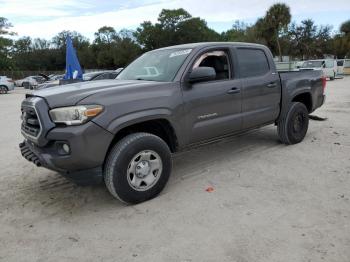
(324, 82)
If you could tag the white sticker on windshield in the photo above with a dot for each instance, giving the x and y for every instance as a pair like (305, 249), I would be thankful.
(182, 52)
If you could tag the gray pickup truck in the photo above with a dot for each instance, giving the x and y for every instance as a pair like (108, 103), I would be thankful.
(167, 100)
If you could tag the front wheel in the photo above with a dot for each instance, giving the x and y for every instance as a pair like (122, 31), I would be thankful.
(293, 125)
(138, 168)
(3, 90)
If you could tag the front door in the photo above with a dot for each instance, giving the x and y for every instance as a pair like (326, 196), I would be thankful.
(213, 108)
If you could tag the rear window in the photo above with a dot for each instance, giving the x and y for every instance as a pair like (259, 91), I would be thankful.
(252, 62)
(313, 64)
(340, 63)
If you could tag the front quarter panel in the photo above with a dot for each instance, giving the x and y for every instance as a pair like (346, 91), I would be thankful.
(134, 105)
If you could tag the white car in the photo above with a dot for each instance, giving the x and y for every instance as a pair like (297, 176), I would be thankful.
(328, 66)
(6, 84)
(32, 80)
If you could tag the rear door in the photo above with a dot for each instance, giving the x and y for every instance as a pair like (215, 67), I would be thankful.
(213, 108)
(261, 87)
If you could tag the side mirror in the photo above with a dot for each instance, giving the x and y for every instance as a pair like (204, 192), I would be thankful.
(202, 74)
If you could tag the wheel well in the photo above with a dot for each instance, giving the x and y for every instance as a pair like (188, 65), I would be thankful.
(158, 127)
(5, 87)
(306, 99)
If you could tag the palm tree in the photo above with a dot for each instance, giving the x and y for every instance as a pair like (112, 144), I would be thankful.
(278, 18)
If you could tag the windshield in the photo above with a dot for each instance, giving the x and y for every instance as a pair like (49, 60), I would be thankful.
(159, 65)
(312, 64)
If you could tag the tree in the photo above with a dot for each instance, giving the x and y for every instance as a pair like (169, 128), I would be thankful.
(79, 41)
(238, 32)
(277, 20)
(341, 42)
(308, 40)
(5, 43)
(40, 43)
(345, 27)
(105, 35)
(174, 27)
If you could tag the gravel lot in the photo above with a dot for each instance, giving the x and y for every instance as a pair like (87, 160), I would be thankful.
(270, 202)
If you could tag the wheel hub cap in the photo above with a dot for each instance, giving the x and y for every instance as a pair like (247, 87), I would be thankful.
(142, 169)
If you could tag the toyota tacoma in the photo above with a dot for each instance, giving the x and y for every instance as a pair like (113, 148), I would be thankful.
(125, 131)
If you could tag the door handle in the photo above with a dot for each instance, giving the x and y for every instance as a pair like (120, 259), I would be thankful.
(272, 85)
(233, 90)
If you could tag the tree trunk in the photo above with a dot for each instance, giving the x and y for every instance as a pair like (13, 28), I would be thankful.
(279, 49)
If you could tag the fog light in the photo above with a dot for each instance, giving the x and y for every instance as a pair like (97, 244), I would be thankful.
(66, 148)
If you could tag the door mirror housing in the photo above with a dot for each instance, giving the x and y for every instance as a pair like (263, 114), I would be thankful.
(202, 74)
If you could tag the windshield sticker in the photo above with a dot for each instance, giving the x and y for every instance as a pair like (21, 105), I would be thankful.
(182, 52)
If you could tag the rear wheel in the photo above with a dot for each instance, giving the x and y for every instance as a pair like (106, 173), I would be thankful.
(292, 127)
(137, 168)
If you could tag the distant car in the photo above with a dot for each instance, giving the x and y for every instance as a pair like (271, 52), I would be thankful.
(6, 84)
(328, 66)
(93, 76)
(31, 80)
(55, 77)
(100, 75)
(346, 67)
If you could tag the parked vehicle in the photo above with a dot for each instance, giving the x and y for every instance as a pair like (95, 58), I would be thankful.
(31, 80)
(6, 84)
(340, 66)
(93, 76)
(56, 77)
(99, 75)
(346, 67)
(126, 129)
(328, 66)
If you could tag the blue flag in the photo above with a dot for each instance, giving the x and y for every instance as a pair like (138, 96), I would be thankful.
(73, 69)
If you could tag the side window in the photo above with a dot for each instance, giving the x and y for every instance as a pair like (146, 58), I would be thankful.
(219, 60)
(329, 63)
(252, 62)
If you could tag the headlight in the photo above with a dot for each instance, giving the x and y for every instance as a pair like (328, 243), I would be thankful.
(75, 115)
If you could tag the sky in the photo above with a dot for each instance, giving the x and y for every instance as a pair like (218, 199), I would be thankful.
(45, 18)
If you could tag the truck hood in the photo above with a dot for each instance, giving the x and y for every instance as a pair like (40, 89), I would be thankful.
(71, 94)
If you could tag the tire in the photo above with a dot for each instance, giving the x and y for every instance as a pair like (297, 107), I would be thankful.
(3, 90)
(123, 163)
(292, 127)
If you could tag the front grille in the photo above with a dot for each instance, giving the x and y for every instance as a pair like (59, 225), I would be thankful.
(30, 124)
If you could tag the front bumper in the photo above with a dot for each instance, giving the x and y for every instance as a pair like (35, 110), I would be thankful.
(88, 145)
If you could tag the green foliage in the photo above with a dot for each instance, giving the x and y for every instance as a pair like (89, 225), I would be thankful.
(5, 44)
(174, 27)
(307, 40)
(345, 27)
(275, 24)
(111, 49)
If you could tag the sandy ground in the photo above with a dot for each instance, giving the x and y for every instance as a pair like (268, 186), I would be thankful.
(270, 202)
